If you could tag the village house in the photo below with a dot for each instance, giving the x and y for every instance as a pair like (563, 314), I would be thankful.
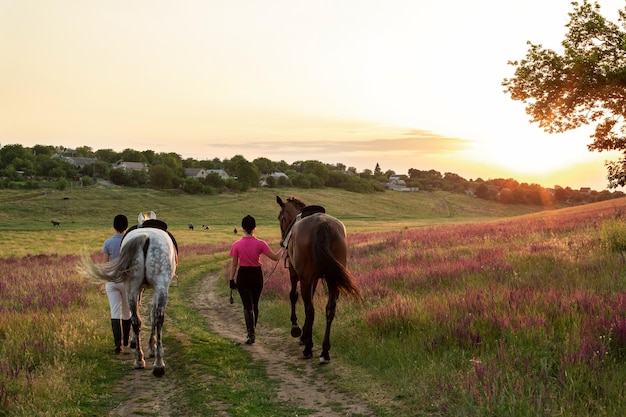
(222, 174)
(81, 162)
(130, 166)
(198, 173)
(275, 175)
(396, 183)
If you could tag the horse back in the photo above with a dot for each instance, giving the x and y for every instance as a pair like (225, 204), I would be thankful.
(153, 253)
(312, 232)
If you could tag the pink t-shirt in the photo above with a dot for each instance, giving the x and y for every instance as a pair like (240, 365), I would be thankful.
(248, 250)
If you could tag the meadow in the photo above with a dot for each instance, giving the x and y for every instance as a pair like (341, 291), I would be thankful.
(469, 307)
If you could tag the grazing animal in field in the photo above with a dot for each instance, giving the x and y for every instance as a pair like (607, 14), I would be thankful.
(205, 227)
(55, 223)
(316, 249)
(148, 259)
(190, 226)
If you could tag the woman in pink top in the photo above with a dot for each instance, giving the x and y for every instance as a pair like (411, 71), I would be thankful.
(246, 273)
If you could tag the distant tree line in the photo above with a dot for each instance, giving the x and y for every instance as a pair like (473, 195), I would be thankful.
(29, 167)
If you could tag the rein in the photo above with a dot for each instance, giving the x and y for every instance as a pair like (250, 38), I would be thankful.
(273, 270)
(285, 240)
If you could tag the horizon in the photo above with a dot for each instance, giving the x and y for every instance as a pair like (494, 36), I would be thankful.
(383, 169)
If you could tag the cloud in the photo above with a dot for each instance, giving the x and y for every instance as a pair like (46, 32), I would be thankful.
(411, 144)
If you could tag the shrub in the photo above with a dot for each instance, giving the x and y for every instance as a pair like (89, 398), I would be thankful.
(613, 236)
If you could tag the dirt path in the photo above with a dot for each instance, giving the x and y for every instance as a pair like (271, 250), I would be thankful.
(282, 356)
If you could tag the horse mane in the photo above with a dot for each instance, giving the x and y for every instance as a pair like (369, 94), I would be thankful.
(296, 202)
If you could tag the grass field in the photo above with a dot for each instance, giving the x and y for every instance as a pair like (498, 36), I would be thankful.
(86, 214)
(470, 307)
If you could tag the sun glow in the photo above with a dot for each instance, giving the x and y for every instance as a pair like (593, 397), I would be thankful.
(404, 83)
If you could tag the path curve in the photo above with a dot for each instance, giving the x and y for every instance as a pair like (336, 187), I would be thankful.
(280, 353)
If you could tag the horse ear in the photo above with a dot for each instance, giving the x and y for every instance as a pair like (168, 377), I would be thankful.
(140, 218)
(279, 201)
(152, 215)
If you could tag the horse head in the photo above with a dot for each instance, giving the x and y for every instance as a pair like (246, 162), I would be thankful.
(141, 218)
(288, 211)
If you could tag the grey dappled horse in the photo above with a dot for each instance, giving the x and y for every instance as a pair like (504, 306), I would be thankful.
(147, 258)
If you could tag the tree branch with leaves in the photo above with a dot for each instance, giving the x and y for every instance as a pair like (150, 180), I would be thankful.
(585, 85)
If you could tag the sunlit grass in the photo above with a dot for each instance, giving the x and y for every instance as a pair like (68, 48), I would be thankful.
(525, 316)
(514, 317)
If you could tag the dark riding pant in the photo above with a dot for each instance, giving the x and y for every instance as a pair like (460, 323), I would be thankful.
(250, 285)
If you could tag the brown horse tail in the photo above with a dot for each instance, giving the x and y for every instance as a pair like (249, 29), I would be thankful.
(333, 271)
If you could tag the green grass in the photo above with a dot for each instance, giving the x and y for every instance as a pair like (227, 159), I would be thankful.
(86, 215)
(411, 366)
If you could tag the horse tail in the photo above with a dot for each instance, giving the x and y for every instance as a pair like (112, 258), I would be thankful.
(117, 269)
(334, 272)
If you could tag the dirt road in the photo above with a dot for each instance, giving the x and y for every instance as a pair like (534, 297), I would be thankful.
(282, 356)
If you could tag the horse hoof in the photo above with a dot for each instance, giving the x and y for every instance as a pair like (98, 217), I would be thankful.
(306, 355)
(158, 372)
(324, 361)
(139, 365)
(296, 331)
(133, 345)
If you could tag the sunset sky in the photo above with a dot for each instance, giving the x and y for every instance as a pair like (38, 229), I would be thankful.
(406, 84)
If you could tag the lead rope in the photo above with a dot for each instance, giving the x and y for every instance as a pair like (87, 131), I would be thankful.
(274, 268)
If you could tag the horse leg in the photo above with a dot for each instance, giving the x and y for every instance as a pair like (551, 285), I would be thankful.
(158, 313)
(330, 315)
(134, 301)
(293, 297)
(152, 340)
(309, 316)
(133, 336)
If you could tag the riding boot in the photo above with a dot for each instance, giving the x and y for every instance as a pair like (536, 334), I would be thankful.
(117, 334)
(125, 331)
(249, 317)
(256, 315)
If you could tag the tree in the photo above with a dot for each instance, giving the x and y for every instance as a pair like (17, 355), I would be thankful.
(270, 181)
(161, 176)
(118, 176)
(10, 152)
(247, 173)
(583, 86)
(454, 182)
(43, 150)
(316, 169)
(107, 155)
(377, 170)
(84, 151)
(192, 186)
(131, 155)
(264, 165)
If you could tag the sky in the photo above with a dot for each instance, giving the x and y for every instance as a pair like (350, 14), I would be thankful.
(403, 84)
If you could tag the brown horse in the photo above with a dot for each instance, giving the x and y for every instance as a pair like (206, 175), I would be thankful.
(316, 249)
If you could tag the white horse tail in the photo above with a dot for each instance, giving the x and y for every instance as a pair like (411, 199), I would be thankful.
(117, 269)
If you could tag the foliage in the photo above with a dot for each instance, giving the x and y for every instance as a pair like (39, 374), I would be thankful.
(162, 176)
(613, 235)
(517, 316)
(167, 171)
(586, 84)
(55, 358)
(524, 314)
